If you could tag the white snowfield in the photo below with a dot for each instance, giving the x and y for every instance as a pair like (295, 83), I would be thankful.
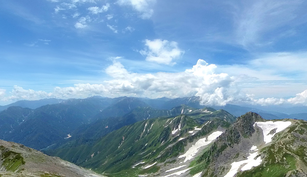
(251, 160)
(189, 155)
(245, 164)
(269, 126)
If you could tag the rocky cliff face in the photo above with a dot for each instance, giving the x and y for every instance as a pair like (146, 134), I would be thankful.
(253, 146)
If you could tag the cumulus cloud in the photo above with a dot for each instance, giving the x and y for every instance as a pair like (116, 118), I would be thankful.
(18, 93)
(202, 80)
(97, 10)
(300, 98)
(161, 51)
(144, 7)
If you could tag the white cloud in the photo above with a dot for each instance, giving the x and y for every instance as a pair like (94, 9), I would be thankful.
(300, 98)
(80, 25)
(113, 28)
(18, 93)
(82, 22)
(161, 51)
(203, 80)
(97, 10)
(144, 7)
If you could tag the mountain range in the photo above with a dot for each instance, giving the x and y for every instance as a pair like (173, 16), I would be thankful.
(128, 136)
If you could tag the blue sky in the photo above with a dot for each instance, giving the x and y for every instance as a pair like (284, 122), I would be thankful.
(225, 52)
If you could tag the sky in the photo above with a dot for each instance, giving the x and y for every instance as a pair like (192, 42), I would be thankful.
(225, 52)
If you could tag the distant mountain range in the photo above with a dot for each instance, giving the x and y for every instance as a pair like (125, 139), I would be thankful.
(129, 136)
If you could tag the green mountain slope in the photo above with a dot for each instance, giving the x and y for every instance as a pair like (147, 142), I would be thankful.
(150, 141)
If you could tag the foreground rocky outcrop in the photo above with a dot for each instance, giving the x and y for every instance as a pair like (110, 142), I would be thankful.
(18, 160)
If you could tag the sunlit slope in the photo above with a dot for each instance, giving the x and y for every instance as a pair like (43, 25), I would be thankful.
(146, 146)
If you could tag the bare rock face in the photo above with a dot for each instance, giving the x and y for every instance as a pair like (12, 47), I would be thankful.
(18, 160)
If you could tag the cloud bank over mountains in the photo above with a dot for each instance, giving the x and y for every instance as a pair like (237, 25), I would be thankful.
(201, 80)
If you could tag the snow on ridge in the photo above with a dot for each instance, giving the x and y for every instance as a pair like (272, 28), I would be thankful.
(248, 164)
(268, 126)
(200, 143)
(176, 168)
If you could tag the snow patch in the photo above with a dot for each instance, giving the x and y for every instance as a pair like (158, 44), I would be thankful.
(254, 148)
(195, 128)
(144, 129)
(150, 127)
(181, 139)
(178, 129)
(178, 173)
(268, 126)
(148, 166)
(68, 136)
(189, 155)
(176, 168)
(135, 165)
(206, 111)
(197, 175)
(190, 110)
(247, 164)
